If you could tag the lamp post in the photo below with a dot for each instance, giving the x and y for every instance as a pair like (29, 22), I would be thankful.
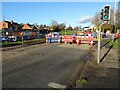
(65, 30)
(66, 20)
(99, 33)
(115, 13)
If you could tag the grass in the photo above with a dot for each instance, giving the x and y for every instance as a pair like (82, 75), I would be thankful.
(20, 42)
(68, 32)
(116, 44)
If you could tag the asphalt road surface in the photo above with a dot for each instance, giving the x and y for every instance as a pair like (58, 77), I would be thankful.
(36, 66)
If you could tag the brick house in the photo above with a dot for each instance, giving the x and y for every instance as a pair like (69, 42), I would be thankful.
(29, 27)
(29, 30)
(9, 25)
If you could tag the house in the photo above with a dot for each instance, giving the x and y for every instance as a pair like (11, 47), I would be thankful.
(9, 25)
(29, 30)
(29, 27)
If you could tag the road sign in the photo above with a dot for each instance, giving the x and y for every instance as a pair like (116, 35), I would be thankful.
(68, 38)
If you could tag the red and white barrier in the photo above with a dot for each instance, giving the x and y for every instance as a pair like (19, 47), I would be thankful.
(46, 38)
(86, 39)
(68, 39)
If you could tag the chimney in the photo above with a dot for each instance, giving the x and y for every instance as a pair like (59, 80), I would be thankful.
(11, 22)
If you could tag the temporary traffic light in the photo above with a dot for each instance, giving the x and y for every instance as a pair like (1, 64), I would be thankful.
(101, 15)
(106, 13)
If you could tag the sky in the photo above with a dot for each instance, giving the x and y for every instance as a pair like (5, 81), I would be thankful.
(73, 13)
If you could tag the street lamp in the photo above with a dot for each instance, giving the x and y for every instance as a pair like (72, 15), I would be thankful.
(65, 30)
(66, 20)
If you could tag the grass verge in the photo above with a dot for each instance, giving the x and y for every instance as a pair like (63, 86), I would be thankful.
(7, 44)
(116, 44)
(68, 32)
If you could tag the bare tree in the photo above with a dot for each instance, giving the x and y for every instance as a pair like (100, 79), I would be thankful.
(97, 21)
(54, 23)
(61, 26)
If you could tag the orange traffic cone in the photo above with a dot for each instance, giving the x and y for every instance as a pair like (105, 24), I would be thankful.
(78, 42)
(46, 39)
(58, 40)
(91, 43)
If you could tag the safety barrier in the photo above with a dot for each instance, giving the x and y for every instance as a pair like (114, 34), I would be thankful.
(117, 35)
(79, 39)
(50, 38)
(68, 38)
(85, 40)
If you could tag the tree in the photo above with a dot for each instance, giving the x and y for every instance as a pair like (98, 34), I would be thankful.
(76, 28)
(61, 26)
(41, 27)
(97, 21)
(20, 26)
(54, 23)
(44, 26)
(69, 28)
(54, 26)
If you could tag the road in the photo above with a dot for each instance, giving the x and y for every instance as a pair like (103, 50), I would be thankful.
(36, 66)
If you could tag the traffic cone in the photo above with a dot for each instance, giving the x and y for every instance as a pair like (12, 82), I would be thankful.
(46, 39)
(78, 43)
(58, 40)
(91, 43)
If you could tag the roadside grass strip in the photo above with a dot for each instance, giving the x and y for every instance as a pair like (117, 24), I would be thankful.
(20, 42)
(10, 43)
(68, 32)
(116, 44)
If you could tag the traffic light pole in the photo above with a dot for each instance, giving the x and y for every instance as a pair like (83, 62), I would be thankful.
(99, 33)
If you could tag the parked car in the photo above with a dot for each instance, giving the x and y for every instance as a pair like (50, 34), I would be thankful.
(4, 39)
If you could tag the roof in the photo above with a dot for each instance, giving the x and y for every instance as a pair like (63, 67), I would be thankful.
(10, 22)
(29, 26)
(32, 26)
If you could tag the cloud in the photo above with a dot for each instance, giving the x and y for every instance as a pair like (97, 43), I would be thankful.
(85, 19)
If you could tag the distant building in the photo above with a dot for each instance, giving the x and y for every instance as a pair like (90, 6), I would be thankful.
(9, 25)
(86, 28)
(29, 27)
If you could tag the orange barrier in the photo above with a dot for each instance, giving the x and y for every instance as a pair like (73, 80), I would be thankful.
(68, 39)
(91, 43)
(117, 35)
(58, 40)
(78, 41)
(86, 39)
(46, 38)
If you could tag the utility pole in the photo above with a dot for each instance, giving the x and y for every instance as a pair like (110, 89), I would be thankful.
(119, 14)
(66, 19)
(115, 13)
(65, 22)
(114, 30)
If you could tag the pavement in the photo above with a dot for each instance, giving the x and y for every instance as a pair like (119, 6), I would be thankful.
(104, 74)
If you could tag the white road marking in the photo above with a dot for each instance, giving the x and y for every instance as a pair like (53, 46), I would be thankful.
(56, 85)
